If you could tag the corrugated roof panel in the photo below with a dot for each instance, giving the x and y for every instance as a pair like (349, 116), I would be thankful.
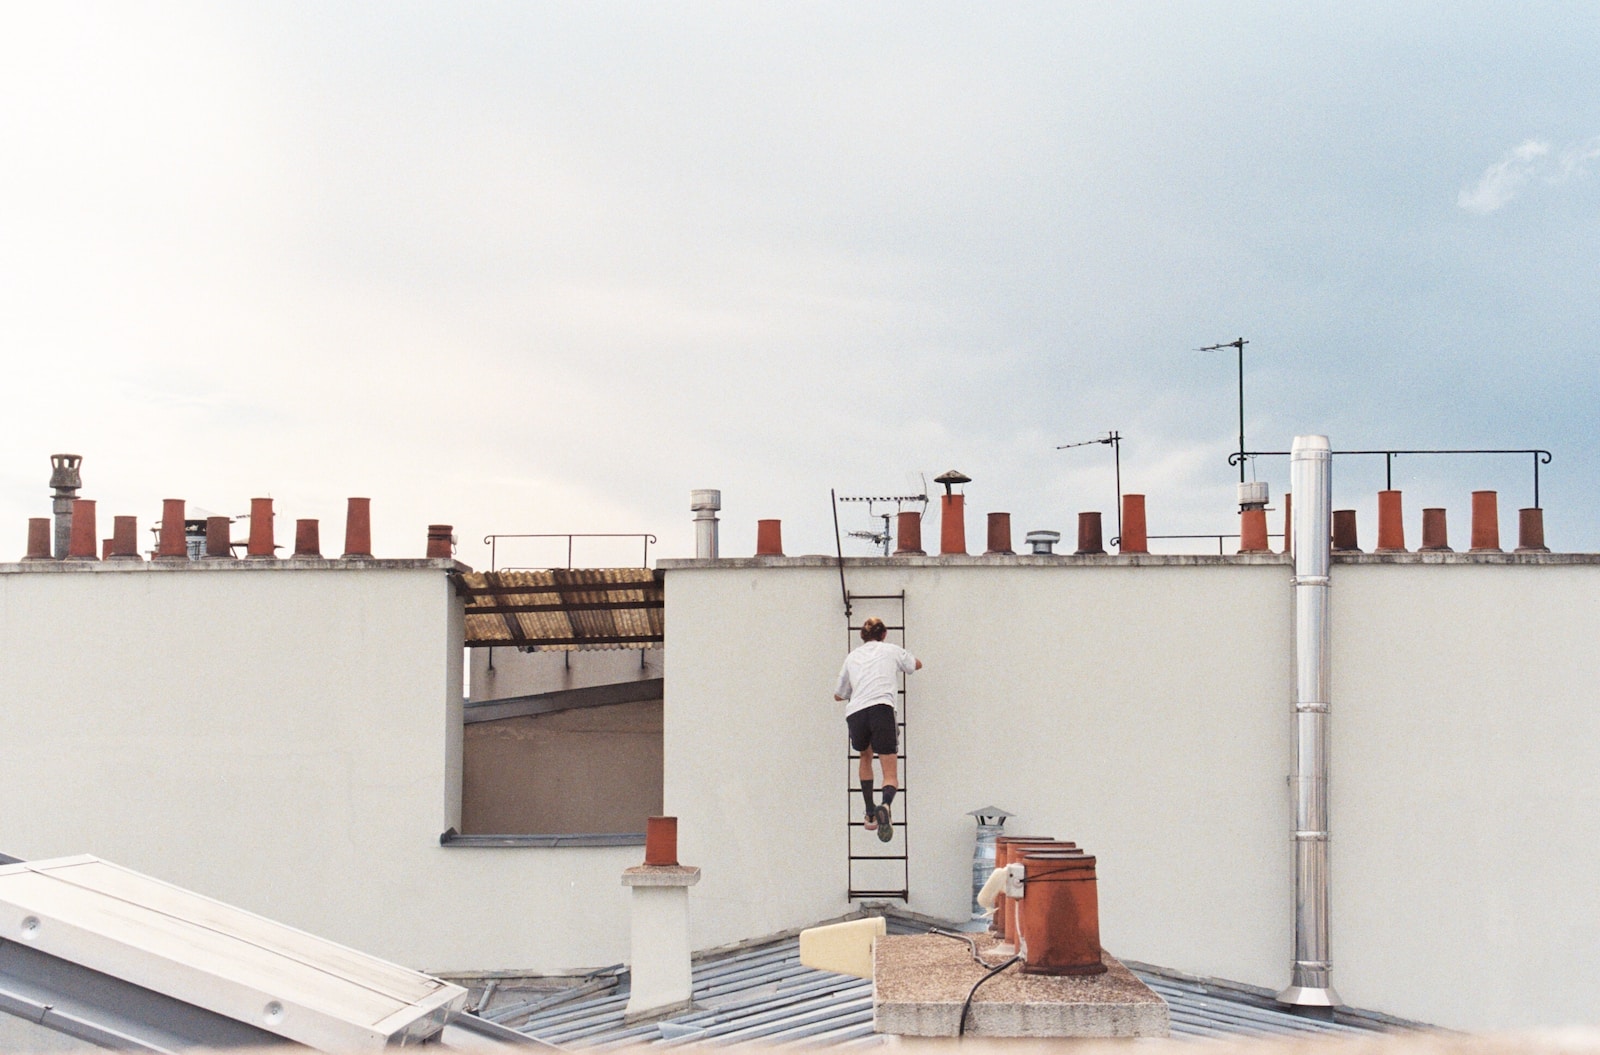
(564, 609)
(764, 994)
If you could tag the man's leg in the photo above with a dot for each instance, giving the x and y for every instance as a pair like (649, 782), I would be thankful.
(865, 773)
(891, 775)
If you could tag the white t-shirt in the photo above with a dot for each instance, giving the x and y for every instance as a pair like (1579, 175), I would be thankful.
(867, 677)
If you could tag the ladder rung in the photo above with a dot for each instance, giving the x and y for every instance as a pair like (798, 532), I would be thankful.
(872, 857)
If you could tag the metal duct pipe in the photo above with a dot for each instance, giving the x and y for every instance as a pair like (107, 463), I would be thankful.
(705, 502)
(1311, 479)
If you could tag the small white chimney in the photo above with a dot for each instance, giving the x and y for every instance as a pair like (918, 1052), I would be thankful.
(661, 982)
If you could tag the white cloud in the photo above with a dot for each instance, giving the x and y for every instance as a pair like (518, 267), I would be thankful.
(1530, 160)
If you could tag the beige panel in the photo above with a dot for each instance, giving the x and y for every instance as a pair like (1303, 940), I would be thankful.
(590, 770)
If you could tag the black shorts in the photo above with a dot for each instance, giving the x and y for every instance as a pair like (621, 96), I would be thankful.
(874, 727)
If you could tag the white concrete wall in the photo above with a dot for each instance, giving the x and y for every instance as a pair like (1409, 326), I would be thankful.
(1144, 712)
(284, 737)
(1465, 792)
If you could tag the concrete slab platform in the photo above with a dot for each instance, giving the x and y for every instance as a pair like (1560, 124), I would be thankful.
(920, 982)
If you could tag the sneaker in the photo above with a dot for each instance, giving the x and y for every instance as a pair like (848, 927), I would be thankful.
(885, 824)
(871, 823)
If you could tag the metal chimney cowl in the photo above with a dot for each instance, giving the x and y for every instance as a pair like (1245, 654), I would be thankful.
(705, 502)
(65, 480)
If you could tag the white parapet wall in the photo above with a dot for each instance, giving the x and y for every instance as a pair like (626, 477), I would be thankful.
(284, 736)
(1141, 706)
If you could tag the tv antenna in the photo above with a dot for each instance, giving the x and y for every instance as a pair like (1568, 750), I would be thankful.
(1113, 439)
(886, 535)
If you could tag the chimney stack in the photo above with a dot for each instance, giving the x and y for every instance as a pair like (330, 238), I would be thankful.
(1485, 522)
(1135, 535)
(65, 479)
(769, 538)
(441, 541)
(307, 540)
(705, 503)
(38, 539)
(952, 513)
(260, 545)
(1090, 537)
(908, 534)
(81, 545)
(999, 535)
(661, 978)
(358, 530)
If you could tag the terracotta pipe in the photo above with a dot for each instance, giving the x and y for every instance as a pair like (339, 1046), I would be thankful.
(105, 549)
(219, 538)
(1253, 531)
(1060, 915)
(909, 533)
(1288, 522)
(260, 546)
(82, 545)
(1135, 535)
(769, 538)
(441, 541)
(1007, 853)
(124, 538)
(1530, 531)
(1344, 531)
(1485, 522)
(999, 535)
(661, 841)
(1089, 536)
(952, 524)
(172, 544)
(358, 530)
(307, 543)
(38, 539)
(1435, 532)
(1391, 525)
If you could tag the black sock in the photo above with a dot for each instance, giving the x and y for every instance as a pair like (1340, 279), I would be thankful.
(866, 794)
(888, 793)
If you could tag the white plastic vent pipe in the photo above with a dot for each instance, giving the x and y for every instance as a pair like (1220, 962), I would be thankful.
(1311, 482)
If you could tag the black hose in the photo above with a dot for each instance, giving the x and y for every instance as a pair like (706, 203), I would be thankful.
(961, 1026)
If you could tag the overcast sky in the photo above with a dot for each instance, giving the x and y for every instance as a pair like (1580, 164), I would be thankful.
(545, 268)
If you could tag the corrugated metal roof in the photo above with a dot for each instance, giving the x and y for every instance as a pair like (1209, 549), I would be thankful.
(763, 993)
(564, 609)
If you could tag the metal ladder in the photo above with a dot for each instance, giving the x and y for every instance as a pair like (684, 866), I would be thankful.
(872, 875)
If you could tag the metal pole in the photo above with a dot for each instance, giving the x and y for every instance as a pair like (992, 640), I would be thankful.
(1116, 455)
(1240, 345)
(1311, 481)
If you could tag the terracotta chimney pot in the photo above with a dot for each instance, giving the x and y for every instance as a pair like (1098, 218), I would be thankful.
(1288, 522)
(1485, 522)
(999, 535)
(358, 530)
(38, 539)
(769, 538)
(952, 524)
(307, 541)
(661, 841)
(1090, 541)
(1344, 531)
(1435, 532)
(909, 530)
(173, 545)
(1530, 531)
(260, 546)
(82, 545)
(124, 538)
(1391, 525)
(219, 538)
(441, 541)
(1135, 537)
(1253, 531)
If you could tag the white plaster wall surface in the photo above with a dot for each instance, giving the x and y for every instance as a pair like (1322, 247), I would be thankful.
(284, 739)
(1140, 710)
(1465, 792)
(517, 673)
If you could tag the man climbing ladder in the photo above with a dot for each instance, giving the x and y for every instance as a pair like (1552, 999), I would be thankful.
(868, 689)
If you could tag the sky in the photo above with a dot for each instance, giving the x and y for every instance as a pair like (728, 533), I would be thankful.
(536, 268)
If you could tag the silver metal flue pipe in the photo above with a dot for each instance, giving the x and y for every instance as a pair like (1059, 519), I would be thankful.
(1311, 481)
(705, 502)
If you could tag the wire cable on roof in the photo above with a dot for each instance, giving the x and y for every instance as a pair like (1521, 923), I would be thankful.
(961, 1027)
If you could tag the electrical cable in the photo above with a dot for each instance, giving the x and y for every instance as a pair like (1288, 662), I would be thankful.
(972, 944)
(961, 1026)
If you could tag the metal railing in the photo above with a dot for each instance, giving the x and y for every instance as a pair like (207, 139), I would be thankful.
(1221, 539)
(1540, 457)
(492, 541)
